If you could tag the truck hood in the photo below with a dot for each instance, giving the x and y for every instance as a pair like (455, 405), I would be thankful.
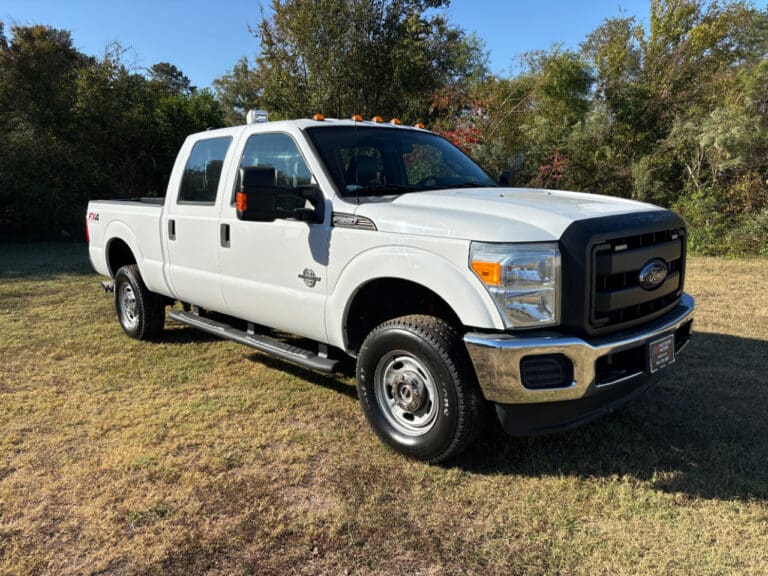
(492, 214)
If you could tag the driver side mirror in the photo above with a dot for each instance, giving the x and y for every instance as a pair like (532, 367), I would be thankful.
(505, 178)
(259, 199)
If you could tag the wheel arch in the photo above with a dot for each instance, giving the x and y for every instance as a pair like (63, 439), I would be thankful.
(121, 248)
(417, 282)
(119, 254)
(382, 299)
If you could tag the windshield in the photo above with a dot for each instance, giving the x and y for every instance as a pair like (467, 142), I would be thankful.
(377, 161)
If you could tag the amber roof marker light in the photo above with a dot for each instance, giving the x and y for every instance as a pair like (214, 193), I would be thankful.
(318, 117)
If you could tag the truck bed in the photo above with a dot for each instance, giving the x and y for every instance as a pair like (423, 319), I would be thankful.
(136, 222)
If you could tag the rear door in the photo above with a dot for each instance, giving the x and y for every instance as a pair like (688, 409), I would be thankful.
(191, 224)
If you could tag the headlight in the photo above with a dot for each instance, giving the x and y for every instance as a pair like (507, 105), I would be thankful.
(523, 279)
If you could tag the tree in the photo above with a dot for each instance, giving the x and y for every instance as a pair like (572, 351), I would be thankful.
(170, 80)
(340, 57)
(38, 72)
(525, 122)
(74, 127)
(239, 91)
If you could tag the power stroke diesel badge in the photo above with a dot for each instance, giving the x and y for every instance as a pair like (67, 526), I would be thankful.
(309, 277)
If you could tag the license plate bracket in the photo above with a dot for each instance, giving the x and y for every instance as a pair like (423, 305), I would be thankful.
(661, 353)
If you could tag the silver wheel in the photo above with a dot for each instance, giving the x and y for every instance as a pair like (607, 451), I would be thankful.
(406, 393)
(417, 389)
(141, 313)
(129, 310)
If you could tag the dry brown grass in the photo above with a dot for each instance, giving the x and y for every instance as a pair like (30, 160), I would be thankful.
(195, 456)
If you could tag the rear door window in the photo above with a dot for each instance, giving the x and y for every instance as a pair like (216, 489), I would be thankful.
(200, 182)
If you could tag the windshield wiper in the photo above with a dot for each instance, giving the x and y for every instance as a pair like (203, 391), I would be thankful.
(470, 185)
(386, 189)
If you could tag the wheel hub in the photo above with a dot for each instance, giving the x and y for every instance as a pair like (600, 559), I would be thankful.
(406, 393)
(409, 392)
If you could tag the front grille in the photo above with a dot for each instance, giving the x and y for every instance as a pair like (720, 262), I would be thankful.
(602, 259)
(618, 297)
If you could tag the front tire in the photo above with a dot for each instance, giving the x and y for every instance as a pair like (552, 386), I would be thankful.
(141, 313)
(417, 388)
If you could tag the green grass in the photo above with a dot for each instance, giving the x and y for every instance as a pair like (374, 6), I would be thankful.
(198, 456)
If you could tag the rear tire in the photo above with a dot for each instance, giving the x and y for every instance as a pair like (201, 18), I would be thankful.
(141, 313)
(417, 388)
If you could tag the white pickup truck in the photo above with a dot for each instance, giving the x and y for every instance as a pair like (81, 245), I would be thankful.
(388, 244)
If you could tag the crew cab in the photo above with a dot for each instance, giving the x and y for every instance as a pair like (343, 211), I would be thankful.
(385, 243)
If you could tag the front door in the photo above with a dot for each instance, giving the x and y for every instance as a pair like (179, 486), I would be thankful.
(274, 273)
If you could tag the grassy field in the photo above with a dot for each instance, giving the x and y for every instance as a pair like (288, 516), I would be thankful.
(197, 456)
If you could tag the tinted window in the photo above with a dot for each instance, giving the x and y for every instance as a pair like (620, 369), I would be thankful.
(280, 152)
(391, 160)
(203, 171)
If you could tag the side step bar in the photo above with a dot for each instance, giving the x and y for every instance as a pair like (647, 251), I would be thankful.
(276, 348)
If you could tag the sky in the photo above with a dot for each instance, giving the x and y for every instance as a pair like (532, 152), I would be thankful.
(204, 39)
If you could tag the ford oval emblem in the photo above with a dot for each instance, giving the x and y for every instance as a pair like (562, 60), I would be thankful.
(653, 273)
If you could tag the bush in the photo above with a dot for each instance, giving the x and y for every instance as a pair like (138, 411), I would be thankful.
(750, 236)
(705, 222)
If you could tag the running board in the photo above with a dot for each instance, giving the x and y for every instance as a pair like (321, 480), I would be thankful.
(293, 354)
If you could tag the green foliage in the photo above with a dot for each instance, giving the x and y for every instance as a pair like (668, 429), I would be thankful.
(526, 122)
(74, 128)
(341, 57)
(239, 91)
(677, 115)
(596, 163)
(703, 215)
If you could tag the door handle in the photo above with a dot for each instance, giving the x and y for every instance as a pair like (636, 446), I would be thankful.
(224, 235)
(171, 229)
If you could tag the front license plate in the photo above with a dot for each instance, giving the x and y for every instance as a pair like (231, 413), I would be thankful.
(661, 353)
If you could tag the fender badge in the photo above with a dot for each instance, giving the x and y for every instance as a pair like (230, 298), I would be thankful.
(309, 277)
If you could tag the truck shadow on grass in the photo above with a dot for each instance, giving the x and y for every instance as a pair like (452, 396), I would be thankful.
(342, 381)
(701, 432)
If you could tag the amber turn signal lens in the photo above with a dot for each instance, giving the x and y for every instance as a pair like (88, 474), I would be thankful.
(241, 201)
(489, 272)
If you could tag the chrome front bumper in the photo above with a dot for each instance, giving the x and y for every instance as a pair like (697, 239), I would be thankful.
(497, 357)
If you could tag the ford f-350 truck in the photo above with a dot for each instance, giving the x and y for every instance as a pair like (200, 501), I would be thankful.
(388, 244)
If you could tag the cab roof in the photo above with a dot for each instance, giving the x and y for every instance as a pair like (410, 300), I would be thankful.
(303, 124)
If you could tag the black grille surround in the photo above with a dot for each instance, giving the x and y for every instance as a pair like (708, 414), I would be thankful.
(602, 258)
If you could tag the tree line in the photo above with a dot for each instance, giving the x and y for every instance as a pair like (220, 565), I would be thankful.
(674, 112)
(75, 127)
